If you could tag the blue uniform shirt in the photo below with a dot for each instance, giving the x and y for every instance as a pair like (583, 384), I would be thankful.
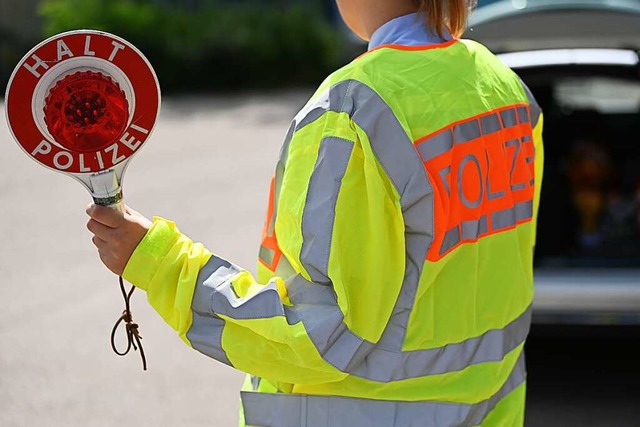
(408, 30)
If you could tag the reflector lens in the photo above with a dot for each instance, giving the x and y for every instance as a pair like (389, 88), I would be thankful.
(86, 111)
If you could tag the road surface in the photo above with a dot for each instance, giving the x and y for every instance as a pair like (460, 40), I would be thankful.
(207, 166)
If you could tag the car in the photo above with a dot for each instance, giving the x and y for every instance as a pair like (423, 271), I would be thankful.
(581, 61)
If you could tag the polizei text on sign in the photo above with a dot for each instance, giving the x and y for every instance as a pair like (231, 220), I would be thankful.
(76, 52)
(112, 155)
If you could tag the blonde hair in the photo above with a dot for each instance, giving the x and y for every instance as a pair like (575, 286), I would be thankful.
(446, 15)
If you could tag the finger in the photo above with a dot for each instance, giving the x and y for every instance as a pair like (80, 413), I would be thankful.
(110, 217)
(98, 242)
(111, 262)
(100, 230)
(106, 259)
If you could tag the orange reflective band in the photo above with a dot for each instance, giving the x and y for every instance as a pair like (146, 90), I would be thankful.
(270, 253)
(484, 176)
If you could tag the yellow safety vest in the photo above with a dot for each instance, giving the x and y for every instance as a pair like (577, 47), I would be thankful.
(395, 273)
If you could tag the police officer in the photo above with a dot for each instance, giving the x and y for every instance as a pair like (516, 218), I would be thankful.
(395, 281)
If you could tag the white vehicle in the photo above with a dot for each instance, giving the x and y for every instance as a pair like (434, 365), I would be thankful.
(581, 61)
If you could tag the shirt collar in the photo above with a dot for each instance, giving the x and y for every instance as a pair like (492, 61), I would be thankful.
(408, 30)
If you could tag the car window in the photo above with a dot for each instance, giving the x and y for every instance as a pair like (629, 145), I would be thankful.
(590, 203)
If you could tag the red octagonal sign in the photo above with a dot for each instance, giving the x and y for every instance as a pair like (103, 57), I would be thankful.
(82, 102)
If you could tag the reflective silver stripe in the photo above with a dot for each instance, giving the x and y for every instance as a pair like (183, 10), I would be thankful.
(320, 206)
(467, 131)
(324, 324)
(284, 268)
(407, 173)
(397, 156)
(491, 195)
(284, 150)
(215, 296)
(284, 155)
(443, 177)
(508, 118)
(436, 145)
(471, 204)
(205, 335)
(503, 219)
(516, 153)
(443, 141)
(523, 210)
(266, 254)
(468, 230)
(534, 108)
(451, 240)
(295, 410)
(313, 110)
(317, 305)
(264, 304)
(490, 124)
(523, 115)
(508, 217)
(535, 115)
(474, 229)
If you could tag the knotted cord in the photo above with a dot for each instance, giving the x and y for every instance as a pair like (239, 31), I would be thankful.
(133, 335)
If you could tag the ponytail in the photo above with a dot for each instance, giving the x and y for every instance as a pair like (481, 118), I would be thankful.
(446, 15)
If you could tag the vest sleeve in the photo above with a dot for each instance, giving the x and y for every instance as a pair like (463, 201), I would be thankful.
(341, 237)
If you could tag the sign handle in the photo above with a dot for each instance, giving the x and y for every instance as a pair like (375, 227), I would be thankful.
(106, 190)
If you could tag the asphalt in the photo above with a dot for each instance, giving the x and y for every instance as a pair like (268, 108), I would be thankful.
(207, 166)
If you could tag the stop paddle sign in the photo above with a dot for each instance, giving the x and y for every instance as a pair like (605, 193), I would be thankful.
(83, 103)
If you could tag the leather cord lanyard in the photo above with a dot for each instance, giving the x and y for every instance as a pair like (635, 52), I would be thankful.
(133, 335)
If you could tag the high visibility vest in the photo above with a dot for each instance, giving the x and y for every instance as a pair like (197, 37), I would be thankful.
(395, 274)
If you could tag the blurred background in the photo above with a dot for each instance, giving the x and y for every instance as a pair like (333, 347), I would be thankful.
(245, 43)
(233, 73)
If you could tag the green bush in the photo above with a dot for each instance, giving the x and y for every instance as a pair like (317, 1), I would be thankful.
(215, 46)
(11, 51)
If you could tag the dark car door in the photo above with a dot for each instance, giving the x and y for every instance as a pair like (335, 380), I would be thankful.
(580, 59)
